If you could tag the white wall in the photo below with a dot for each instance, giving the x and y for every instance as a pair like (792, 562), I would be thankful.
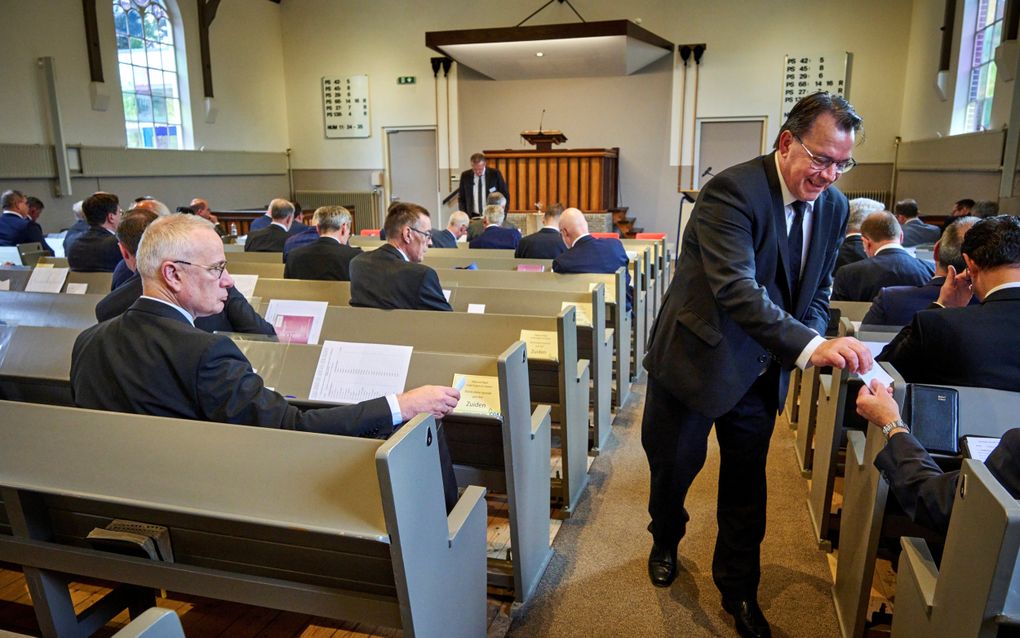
(925, 114)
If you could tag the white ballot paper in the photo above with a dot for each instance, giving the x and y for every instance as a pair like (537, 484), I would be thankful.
(875, 347)
(476, 308)
(877, 372)
(5, 284)
(979, 447)
(541, 344)
(245, 284)
(76, 289)
(297, 321)
(353, 372)
(46, 280)
(582, 312)
(478, 395)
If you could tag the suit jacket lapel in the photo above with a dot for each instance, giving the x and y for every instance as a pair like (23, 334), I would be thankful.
(778, 217)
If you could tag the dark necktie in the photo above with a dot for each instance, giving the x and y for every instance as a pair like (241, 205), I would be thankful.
(795, 242)
(481, 194)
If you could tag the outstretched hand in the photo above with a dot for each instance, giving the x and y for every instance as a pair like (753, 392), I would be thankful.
(437, 400)
(843, 352)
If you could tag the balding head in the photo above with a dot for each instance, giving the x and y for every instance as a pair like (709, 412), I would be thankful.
(155, 206)
(880, 229)
(572, 225)
(458, 225)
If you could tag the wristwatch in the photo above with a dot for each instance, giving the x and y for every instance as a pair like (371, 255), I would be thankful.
(892, 425)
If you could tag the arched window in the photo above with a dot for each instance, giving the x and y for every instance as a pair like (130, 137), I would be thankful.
(149, 78)
(981, 34)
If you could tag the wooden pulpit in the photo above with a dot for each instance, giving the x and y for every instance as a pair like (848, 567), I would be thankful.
(543, 140)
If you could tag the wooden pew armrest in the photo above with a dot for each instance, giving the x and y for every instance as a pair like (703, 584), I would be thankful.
(541, 420)
(472, 500)
(855, 444)
(920, 563)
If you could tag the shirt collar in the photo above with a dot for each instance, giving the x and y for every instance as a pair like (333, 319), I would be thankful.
(579, 239)
(402, 253)
(328, 237)
(1008, 284)
(891, 245)
(788, 197)
(279, 224)
(13, 212)
(184, 312)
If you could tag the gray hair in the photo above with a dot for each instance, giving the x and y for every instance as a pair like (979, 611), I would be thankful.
(950, 253)
(330, 219)
(10, 198)
(495, 198)
(984, 208)
(458, 218)
(168, 238)
(860, 208)
(493, 214)
(280, 209)
(76, 209)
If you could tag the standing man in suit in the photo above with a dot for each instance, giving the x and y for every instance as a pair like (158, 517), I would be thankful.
(456, 228)
(329, 257)
(272, 238)
(495, 234)
(959, 344)
(152, 359)
(897, 305)
(547, 243)
(852, 249)
(392, 276)
(888, 264)
(749, 302)
(925, 492)
(477, 183)
(915, 231)
(96, 249)
(587, 254)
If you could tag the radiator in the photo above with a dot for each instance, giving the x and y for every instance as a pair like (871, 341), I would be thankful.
(878, 196)
(363, 205)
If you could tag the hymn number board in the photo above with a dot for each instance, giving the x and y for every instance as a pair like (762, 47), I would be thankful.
(807, 74)
(345, 106)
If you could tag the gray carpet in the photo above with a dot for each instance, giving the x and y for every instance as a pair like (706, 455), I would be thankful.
(596, 584)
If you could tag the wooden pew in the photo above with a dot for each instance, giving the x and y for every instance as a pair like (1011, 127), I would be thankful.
(564, 383)
(976, 590)
(46, 309)
(262, 269)
(336, 293)
(16, 276)
(982, 412)
(356, 530)
(510, 454)
(99, 283)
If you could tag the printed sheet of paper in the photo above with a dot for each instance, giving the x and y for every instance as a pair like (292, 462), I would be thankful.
(46, 280)
(245, 284)
(476, 308)
(478, 395)
(582, 314)
(610, 293)
(297, 321)
(877, 372)
(353, 372)
(979, 447)
(541, 344)
(76, 289)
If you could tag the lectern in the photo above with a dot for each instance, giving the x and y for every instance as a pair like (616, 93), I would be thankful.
(543, 140)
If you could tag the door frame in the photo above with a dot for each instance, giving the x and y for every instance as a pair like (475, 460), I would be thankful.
(434, 207)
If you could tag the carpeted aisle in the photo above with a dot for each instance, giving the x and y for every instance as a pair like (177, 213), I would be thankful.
(596, 584)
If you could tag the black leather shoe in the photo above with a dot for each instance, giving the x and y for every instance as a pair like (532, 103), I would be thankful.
(662, 566)
(747, 614)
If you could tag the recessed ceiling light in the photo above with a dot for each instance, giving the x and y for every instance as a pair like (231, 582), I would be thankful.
(539, 54)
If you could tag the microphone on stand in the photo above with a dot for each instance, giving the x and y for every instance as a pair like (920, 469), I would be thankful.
(541, 119)
(708, 171)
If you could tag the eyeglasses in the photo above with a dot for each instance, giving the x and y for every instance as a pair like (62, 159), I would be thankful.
(424, 233)
(216, 269)
(822, 163)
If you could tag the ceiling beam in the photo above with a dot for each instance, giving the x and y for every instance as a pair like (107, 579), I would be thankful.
(206, 14)
(92, 40)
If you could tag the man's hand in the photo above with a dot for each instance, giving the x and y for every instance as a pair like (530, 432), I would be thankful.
(956, 291)
(437, 400)
(876, 404)
(844, 352)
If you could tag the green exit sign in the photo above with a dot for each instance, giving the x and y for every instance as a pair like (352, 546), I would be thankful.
(406, 79)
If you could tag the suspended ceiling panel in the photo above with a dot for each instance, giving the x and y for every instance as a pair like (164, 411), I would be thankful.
(617, 47)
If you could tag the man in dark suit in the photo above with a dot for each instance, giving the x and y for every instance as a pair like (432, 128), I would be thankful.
(888, 264)
(152, 360)
(897, 305)
(236, 316)
(587, 254)
(748, 303)
(456, 228)
(925, 492)
(852, 249)
(35, 231)
(495, 235)
(915, 231)
(79, 226)
(14, 222)
(959, 344)
(477, 183)
(547, 243)
(392, 276)
(96, 249)
(962, 208)
(272, 238)
(329, 258)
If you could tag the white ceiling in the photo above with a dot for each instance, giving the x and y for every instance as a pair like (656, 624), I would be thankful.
(561, 58)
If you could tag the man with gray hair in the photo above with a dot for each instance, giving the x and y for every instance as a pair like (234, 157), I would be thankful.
(153, 360)
(852, 249)
(897, 305)
(329, 257)
(79, 226)
(888, 264)
(456, 228)
(495, 235)
(272, 238)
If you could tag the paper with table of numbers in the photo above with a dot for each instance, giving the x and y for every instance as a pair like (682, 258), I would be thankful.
(353, 372)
